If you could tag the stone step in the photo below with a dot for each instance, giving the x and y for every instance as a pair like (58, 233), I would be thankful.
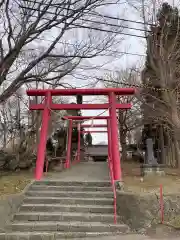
(69, 188)
(50, 235)
(70, 194)
(64, 200)
(73, 226)
(55, 182)
(56, 207)
(63, 216)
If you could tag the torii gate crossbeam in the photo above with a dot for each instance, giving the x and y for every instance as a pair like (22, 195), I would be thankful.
(78, 106)
(81, 118)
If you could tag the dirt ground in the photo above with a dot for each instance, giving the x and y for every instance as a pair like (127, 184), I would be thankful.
(163, 232)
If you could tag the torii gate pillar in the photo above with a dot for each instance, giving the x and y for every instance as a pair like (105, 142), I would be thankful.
(114, 138)
(41, 153)
(109, 139)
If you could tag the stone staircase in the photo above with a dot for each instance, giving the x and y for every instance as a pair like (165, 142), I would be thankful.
(55, 209)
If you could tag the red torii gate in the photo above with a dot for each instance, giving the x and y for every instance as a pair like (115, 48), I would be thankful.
(48, 105)
(79, 134)
(79, 118)
(100, 126)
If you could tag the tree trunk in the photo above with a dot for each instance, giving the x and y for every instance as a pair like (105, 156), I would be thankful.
(161, 143)
(123, 135)
(176, 151)
(176, 133)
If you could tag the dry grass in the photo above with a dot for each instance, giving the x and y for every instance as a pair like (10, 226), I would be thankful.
(134, 182)
(174, 222)
(13, 183)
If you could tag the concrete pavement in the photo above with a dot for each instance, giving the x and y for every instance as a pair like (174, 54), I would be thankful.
(131, 237)
(84, 171)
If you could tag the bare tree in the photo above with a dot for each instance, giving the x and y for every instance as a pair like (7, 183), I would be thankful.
(161, 75)
(34, 45)
(12, 126)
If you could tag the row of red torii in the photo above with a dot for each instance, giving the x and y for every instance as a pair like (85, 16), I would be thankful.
(112, 126)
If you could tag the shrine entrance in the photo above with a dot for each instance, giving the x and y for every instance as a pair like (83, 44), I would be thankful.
(96, 153)
(112, 127)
